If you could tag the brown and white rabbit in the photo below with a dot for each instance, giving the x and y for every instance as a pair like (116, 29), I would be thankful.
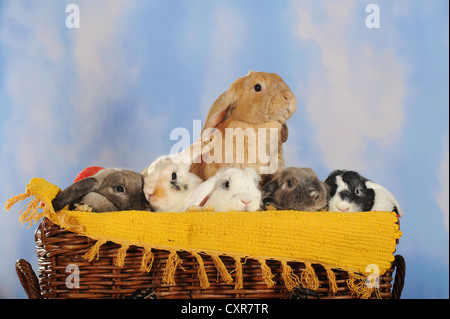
(230, 189)
(168, 182)
(258, 100)
(108, 190)
(296, 188)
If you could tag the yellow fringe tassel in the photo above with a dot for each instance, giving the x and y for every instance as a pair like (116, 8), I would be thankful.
(291, 280)
(222, 269)
(239, 276)
(121, 254)
(94, 251)
(204, 283)
(13, 200)
(147, 260)
(41, 193)
(171, 266)
(267, 273)
(309, 278)
(29, 212)
(332, 279)
(357, 284)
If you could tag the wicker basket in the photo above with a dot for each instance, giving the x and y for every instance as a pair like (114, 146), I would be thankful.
(57, 248)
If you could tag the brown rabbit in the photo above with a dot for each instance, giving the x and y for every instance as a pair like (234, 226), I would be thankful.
(296, 188)
(258, 100)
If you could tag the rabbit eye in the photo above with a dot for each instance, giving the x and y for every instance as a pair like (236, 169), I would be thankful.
(258, 87)
(226, 185)
(174, 176)
(120, 189)
(289, 183)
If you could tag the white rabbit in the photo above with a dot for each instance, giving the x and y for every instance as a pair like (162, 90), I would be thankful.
(168, 182)
(229, 189)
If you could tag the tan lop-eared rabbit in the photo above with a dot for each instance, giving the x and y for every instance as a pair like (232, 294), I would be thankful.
(260, 102)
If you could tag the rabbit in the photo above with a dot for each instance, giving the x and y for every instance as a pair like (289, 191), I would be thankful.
(230, 189)
(258, 100)
(351, 192)
(168, 182)
(296, 188)
(107, 190)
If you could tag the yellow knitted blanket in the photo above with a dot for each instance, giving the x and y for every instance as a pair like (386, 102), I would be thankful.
(353, 242)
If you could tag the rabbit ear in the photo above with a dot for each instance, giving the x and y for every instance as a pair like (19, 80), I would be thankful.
(270, 187)
(284, 132)
(220, 109)
(185, 155)
(202, 193)
(327, 189)
(198, 150)
(74, 192)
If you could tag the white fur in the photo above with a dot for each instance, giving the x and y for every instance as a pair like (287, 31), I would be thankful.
(158, 176)
(384, 200)
(242, 195)
(336, 204)
(341, 185)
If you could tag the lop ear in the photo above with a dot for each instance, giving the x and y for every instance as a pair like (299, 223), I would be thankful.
(327, 189)
(190, 154)
(220, 110)
(284, 132)
(270, 187)
(201, 194)
(74, 192)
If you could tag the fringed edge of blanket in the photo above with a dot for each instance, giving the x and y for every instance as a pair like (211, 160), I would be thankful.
(30, 212)
(357, 283)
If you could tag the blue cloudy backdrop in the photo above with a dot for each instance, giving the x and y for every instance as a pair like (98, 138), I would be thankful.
(110, 93)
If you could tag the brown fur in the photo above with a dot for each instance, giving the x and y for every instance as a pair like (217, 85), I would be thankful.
(307, 193)
(243, 107)
(160, 193)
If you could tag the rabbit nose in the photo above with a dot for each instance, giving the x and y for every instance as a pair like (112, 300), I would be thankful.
(343, 209)
(287, 94)
(149, 196)
(314, 195)
(246, 199)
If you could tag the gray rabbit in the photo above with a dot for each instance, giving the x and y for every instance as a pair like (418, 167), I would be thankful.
(108, 190)
(296, 188)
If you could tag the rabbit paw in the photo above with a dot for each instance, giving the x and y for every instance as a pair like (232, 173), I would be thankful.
(270, 207)
(194, 208)
(208, 208)
(83, 207)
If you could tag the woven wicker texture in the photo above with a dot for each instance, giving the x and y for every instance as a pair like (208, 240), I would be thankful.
(345, 241)
(57, 248)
